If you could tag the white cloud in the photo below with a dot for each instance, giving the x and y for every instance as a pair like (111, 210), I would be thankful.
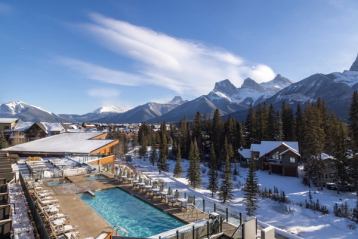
(186, 67)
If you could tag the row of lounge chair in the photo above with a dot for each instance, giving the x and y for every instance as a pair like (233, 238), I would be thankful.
(155, 188)
(57, 223)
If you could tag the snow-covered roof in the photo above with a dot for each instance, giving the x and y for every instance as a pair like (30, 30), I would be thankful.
(22, 126)
(81, 143)
(53, 127)
(245, 153)
(267, 146)
(7, 120)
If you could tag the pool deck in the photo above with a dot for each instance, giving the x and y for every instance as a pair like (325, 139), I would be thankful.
(90, 224)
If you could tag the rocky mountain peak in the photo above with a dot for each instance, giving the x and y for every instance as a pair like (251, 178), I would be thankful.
(354, 66)
(177, 100)
(225, 86)
(251, 84)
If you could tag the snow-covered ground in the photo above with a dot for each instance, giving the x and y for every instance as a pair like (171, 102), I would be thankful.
(300, 221)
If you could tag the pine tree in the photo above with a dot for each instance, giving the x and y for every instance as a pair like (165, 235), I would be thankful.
(226, 186)
(288, 123)
(216, 134)
(271, 133)
(213, 173)
(251, 131)
(194, 173)
(178, 169)
(162, 164)
(251, 190)
(154, 156)
(353, 117)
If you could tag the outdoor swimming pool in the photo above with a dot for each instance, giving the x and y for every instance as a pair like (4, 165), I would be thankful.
(137, 217)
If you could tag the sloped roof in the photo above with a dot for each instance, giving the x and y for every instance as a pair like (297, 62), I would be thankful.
(81, 143)
(246, 153)
(22, 126)
(7, 120)
(267, 146)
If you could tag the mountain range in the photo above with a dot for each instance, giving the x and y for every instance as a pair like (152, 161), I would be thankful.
(335, 88)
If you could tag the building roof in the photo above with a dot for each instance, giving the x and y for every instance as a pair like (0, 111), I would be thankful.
(245, 153)
(7, 120)
(22, 126)
(267, 146)
(81, 143)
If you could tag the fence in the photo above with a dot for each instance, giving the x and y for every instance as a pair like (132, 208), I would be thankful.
(40, 226)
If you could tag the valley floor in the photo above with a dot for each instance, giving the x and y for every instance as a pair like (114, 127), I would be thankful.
(291, 217)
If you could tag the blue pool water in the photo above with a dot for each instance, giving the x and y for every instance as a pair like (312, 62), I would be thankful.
(137, 217)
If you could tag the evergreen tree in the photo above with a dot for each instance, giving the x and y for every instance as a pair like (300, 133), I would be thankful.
(271, 133)
(226, 186)
(162, 164)
(194, 173)
(299, 125)
(250, 134)
(288, 123)
(197, 131)
(353, 117)
(178, 169)
(153, 156)
(251, 190)
(213, 173)
(216, 134)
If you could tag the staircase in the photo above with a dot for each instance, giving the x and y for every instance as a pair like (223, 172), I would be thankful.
(5, 167)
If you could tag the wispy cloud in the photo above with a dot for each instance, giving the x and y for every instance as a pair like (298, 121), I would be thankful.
(186, 67)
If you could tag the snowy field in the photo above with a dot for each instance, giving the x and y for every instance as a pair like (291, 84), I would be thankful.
(300, 221)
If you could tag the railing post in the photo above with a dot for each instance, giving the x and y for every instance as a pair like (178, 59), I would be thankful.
(227, 214)
(214, 207)
(177, 234)
(221, 224)
(240, 218)
(203, 205)
(193, 232)
(194, 200)
(208, 229)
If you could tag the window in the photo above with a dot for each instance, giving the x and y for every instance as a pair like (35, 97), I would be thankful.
(292, 160)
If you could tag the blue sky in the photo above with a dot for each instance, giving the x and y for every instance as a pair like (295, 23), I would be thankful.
(78, 55)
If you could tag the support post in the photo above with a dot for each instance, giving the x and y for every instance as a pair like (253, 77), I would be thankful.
(203, 205)
(193, 232)
(214, 207)
(227, 214)
(177, 234)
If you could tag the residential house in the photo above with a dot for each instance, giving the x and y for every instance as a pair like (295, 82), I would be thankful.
(280, 157)
(7, 123)
(29, 131)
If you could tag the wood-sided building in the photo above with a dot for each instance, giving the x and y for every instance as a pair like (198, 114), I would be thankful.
(280, 157)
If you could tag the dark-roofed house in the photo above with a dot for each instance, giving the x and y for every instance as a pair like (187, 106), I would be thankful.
(280, 157)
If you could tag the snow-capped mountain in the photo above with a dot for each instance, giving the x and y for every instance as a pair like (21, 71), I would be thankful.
(143, 112)
(354, 66)
(95, 115)
(227, 98)
(108, 109)
(335, 89)
(26, 112)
